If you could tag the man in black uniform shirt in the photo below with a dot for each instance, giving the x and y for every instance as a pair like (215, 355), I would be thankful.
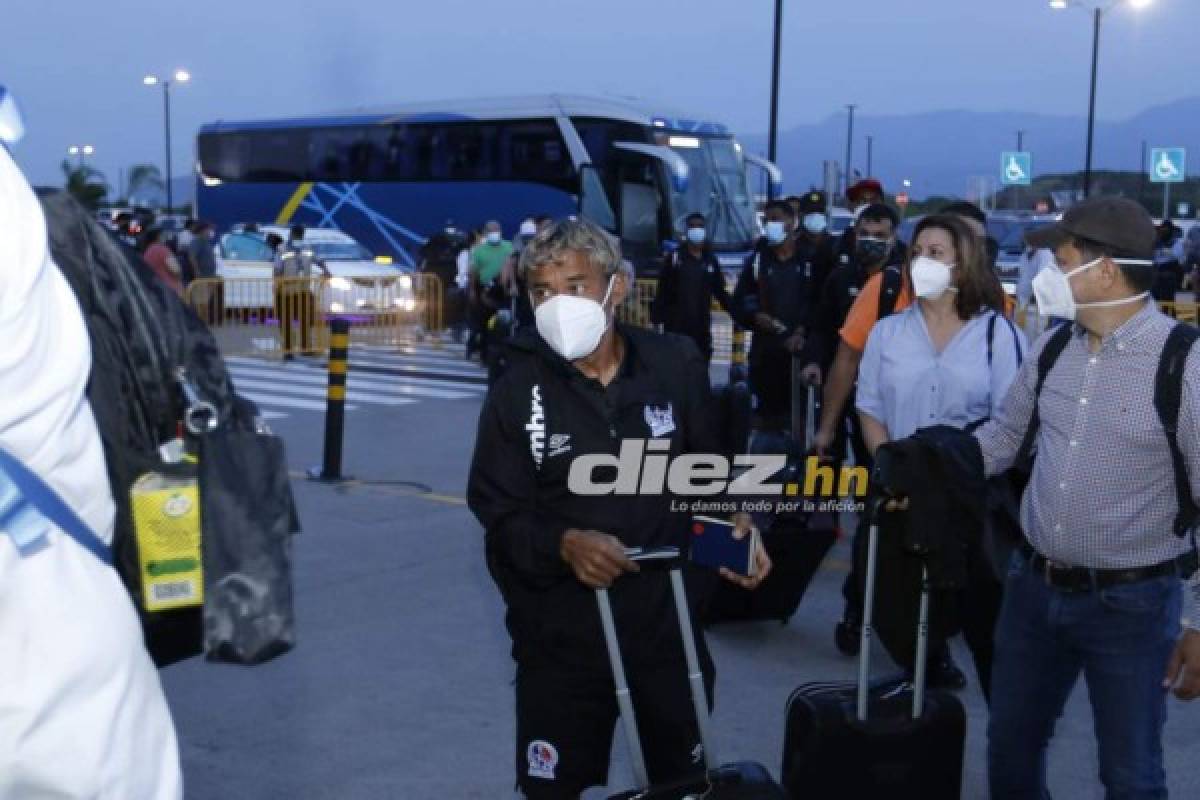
(582, 386)
(876, 246)
(691, 278)
(773, 298)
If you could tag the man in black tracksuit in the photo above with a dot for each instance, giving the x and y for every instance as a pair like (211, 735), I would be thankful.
(773, 298)
(691, 278)
(579, 387)
(876, 224)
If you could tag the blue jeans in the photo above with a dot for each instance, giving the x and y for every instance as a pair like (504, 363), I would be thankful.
(1120, 639)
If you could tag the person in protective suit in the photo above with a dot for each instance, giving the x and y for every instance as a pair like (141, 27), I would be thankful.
(295, 301)
(82, 712)
(580, 386)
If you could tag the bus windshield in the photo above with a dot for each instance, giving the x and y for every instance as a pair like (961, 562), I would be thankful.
(716, 188)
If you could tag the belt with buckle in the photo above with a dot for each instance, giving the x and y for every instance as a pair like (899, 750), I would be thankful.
(1083, 579)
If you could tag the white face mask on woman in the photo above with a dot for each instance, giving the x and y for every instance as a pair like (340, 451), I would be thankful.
(572, 325)
(930, 277)
(1052, 289)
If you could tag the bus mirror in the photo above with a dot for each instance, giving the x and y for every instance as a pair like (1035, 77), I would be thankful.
(774, 174)
(677, 165)
(593, 200)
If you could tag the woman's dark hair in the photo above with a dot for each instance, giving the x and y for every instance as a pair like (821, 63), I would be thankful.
(977, 284)
(150, 236)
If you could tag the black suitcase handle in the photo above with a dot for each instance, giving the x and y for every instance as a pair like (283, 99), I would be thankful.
(663, 557)
(874, 509)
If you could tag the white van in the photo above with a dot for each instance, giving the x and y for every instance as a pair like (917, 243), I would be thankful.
(360, 282)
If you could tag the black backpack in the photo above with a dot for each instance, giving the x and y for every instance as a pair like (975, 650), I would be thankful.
(889, 292)
(1168, 397)
(141, 335)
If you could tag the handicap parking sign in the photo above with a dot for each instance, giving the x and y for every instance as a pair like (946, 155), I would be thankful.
(1016, 169)
(1168, 165)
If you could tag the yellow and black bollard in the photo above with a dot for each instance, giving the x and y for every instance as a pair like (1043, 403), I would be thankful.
(737, 356)
(335, 405)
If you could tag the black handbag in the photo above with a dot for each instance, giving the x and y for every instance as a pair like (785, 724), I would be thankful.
(248, 519)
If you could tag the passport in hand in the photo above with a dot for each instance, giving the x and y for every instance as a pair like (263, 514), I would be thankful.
(714, 546)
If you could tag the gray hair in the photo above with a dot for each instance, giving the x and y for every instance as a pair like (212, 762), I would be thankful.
(572, 235)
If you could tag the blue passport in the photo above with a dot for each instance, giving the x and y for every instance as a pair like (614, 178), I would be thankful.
(714, 546)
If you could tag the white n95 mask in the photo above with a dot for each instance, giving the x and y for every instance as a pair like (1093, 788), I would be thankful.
(1052, 290)
(571, 325)
(930, 277)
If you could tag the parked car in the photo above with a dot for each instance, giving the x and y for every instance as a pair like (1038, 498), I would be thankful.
(360, 283)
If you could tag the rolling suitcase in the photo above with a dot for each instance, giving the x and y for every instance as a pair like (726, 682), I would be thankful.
(797, 542)
(744, 780)
(855, 742)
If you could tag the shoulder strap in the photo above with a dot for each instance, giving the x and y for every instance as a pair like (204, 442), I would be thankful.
(1050, 353)
(1168, 399)
(760, 275)
(889, 291)
(991, 335)
(33, 494)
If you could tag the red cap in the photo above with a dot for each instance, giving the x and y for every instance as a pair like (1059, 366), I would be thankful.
(865, 185)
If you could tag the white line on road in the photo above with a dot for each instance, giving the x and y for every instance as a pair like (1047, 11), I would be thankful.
(286, 402)
(355, 381)
(318, 391)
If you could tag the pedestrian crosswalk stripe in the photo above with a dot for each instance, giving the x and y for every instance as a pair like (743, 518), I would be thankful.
(320, 391)
(401, 365)
(276, 370)
(401, 386)
(287, 402)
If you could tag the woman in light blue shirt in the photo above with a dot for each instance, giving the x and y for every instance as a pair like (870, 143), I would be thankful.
(946, 360)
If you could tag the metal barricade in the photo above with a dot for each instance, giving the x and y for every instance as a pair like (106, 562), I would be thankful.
(289, 316)
(1184, 312)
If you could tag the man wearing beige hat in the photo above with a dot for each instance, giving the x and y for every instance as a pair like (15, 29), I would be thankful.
(1103, 583)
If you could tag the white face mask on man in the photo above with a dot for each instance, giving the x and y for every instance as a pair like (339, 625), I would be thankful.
(573, 325)
(1052, 289)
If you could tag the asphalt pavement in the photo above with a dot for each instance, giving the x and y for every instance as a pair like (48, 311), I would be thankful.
(400, 687)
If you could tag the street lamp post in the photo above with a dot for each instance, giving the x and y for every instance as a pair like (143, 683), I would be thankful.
(1097, 13)
(870, 155)
(181, 76)
(849, 145)
(773, 134)
(81, 151)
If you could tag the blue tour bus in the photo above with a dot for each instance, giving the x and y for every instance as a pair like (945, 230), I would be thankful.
(391, 178)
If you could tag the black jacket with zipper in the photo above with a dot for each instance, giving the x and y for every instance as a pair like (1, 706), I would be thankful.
(541, 414)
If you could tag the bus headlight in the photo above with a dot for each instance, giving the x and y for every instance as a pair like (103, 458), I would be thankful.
(406, 282)
(341, 284)
(337, 308)
(406, 304)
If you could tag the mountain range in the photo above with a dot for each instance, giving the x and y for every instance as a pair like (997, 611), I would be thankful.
(940, 151)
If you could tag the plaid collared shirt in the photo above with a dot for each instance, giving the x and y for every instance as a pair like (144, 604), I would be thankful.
(1102, 493)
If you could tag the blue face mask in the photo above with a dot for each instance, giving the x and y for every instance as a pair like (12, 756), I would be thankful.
(776, 232)
(697, 235)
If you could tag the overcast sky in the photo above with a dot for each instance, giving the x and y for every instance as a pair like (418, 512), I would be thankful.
(76, 66)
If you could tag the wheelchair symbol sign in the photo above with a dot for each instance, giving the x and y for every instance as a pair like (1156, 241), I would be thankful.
(1016, 169)
(1168, 165)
